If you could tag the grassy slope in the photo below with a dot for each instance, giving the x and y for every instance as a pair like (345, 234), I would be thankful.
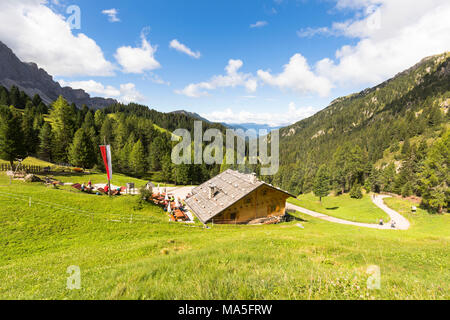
(154, 259)
(32, 162)
(343, 207)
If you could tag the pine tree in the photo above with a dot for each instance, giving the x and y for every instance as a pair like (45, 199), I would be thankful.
(14, 97)
(181, 174)
(406, 148)
(137, 159)
(322, 183)
(356, 192)
(63, 122)
(99, 117)
(107, 131)
(166, 170)
(30, 134)
(12, 145)
(46, 142)
(4, 97)
(81, 151)
(435, 177)
(36, 100)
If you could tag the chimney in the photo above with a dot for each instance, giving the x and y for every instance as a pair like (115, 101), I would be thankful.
(253, 178)
(212, 191)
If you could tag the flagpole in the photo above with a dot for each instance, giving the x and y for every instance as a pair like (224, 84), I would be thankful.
(109, 180)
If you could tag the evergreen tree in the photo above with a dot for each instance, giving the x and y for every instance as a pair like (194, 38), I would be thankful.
(46, 142)
(36, 100)
(89, 122)
(81, 151)
(15, 98)
(434, 116)
(107, 131)
(99, 117)
(159, 148)
(406, 148)
(63, 122)
(181, 174)
(28, 128)
(137, 159)
(166, 170)
(12, 145)
(42, 108)
(356, 192)
(435, 177)
(322, 183)
(4, 97)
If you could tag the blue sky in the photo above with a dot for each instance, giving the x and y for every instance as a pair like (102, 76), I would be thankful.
(286, 59)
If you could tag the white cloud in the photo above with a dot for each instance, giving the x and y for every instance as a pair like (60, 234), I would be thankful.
(92, 87)
(125, 93)
(35, 33)
(393, 36)
(129, 93)
(233, 78)
(311, 32)
(278, 118)
(175, 44)
(112, 14)
(137, 60)
(298, 76)
(259, 24)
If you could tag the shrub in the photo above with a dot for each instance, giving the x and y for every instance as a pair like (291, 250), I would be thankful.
(407, 190)
(356, 192)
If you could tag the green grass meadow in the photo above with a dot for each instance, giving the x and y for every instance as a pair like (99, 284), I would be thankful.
(127, 251)
(343, 207)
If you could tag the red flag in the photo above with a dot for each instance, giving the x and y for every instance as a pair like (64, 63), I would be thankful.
(106, 155)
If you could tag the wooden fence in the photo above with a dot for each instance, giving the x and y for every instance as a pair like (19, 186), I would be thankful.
(26, 168)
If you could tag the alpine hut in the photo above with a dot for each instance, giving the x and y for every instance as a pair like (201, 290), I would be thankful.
(236, 198)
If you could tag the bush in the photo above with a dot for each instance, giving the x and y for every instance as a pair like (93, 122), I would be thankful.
(145, 194)
(407, 190)
(356, 192)
(368, 186)
(142, 199)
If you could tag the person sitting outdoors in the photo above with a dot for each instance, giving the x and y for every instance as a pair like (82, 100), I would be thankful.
(83, 187)
(106, 188)
(381, 222)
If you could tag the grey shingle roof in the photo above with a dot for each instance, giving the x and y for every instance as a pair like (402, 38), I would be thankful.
(231, 186)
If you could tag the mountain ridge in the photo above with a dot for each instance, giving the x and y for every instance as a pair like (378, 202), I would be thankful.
(32, 79)
(414, 103)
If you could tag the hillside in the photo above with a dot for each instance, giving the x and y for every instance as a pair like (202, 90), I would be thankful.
(412, 106)
(31, 79)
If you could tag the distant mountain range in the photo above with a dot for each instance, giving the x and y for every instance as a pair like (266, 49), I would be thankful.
(251, 126)
(235, 126)
(31, 79)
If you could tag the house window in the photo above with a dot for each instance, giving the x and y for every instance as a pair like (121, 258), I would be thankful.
(233, 216)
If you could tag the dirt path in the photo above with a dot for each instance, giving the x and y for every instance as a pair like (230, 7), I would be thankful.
(401, 222)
